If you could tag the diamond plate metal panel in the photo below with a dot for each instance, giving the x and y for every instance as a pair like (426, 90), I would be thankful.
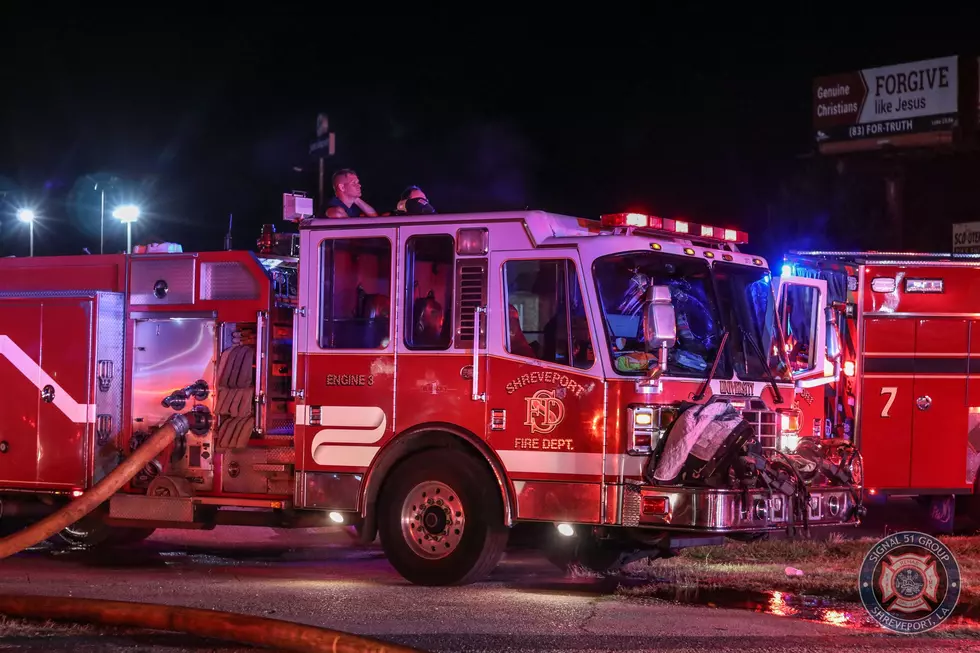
(176, 273)
(109, 377)
(227, 280)
(134, 506)
(631, 505)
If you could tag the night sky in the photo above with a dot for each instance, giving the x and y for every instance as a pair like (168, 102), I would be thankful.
(700, 116)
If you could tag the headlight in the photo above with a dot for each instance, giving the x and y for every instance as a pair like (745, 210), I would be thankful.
(645, 426)
(790, 423)
(790, 420)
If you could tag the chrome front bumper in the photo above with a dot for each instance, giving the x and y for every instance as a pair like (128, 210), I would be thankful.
(722, 511)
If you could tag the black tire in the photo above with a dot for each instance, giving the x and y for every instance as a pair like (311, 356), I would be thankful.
(446, 555)
(91, 532)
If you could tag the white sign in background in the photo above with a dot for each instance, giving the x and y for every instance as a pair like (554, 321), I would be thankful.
(966, 238)
(910, 90)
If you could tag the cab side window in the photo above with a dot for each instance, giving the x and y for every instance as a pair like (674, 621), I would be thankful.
(355, 293)
(800, 308)
(546, 313)
(429, 273)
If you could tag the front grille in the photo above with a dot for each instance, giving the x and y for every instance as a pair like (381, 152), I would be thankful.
(764, 422)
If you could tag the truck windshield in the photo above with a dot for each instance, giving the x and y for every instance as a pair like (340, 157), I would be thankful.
(620, 282)
(749, 308)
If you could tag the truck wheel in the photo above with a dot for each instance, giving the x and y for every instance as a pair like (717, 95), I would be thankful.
(91, 532)
(441, 519)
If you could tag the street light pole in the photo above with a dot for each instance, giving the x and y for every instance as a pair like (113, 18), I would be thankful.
(128, 214)
(102, 226)
(26, 215)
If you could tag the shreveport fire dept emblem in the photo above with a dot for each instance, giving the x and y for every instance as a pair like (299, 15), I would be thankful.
(910, 582)
(544, 412)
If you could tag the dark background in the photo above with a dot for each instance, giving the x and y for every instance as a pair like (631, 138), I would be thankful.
(705, 116)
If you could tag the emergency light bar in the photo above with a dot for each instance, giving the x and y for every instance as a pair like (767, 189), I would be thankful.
(675, 227)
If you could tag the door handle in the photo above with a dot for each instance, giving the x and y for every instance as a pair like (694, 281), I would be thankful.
(923, 402)
(477, 395)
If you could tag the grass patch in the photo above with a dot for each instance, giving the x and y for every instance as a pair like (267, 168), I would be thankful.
(10, 628)
(830, 567)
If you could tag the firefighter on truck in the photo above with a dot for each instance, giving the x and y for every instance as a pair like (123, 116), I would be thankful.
(617, 388)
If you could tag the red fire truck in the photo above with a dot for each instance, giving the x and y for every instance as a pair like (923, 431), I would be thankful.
(433, 380)
(902, 381)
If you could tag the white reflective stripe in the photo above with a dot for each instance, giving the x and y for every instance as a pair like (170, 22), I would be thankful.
(547, 462)
(76, 412)
(330, 455)
(302, 415)
(563, 462)
(351, 425)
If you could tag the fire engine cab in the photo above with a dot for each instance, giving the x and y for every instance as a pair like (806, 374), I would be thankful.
(433, 380)
(901, 379)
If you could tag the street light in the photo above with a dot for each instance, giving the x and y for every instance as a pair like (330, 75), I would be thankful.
(127, 214)
(26, 215)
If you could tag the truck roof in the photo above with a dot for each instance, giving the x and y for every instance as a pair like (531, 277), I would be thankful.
(541, 225)
(893, 258)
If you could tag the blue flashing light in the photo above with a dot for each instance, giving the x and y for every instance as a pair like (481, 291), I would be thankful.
(787, 270)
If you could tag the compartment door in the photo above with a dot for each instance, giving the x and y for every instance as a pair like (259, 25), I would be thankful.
(20, 374)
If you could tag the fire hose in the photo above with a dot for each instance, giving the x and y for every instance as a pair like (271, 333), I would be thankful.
(258, 631)
(282, 635)
(176, 427)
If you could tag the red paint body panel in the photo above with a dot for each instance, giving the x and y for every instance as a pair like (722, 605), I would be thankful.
(88, 273)
(559, 502)
(431, 389)
(378, 391)
(49, 442)
(973, 375)
(67, 342)
(939, 433)
(886, 428)
(553, 409)
(21, 322)
(961, 293)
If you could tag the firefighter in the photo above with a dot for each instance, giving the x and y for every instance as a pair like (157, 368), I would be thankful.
(347, 202)
(413, 202)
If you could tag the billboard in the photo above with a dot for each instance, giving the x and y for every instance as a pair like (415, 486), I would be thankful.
(905, 105)
(966, 238)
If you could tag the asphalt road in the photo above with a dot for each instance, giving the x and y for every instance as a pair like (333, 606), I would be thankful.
(315, 577)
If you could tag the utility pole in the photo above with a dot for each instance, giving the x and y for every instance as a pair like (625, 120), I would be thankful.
(325, 145)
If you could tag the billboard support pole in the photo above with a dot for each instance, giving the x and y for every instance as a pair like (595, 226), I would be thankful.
(895, 203)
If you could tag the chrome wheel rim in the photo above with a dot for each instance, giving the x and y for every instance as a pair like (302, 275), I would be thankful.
(433, 520)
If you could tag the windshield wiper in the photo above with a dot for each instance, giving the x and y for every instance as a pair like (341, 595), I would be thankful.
(714, 367)
(765, 365)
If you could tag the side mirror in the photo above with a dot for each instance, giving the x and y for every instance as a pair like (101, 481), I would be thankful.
(659, 333)
(660, 322)
(834, 344)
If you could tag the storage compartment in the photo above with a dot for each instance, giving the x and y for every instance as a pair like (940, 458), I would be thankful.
(61, 367)
(170, 355)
